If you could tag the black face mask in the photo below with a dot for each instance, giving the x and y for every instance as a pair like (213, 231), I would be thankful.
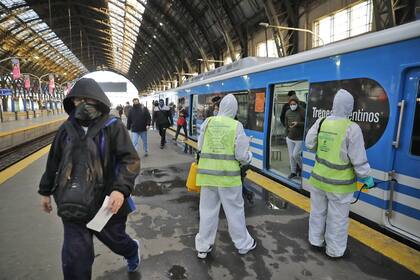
(136, 105)
(86, 112)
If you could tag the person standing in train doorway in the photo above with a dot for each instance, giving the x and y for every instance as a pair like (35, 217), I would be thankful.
(163, 118)
(91, 157)
(223, 146)
(340, 159)
(295, 122)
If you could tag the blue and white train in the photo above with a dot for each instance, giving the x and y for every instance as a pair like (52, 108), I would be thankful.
(381, 70)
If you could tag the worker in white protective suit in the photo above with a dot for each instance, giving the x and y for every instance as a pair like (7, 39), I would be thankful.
(223, 146)
(340, 158)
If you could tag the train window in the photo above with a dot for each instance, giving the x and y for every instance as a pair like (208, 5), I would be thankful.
(287, 136)
(415, 137)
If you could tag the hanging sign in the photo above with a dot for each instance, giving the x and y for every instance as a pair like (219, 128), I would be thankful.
(15, 69)
(51, 84)
(259, 102)
(27, 82)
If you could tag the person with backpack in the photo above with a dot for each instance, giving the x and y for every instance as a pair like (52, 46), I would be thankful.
(163, 118)
(138, 122)
(295, 122)
(91, 157)
(340, 158)
(181, 123)
(223, 145)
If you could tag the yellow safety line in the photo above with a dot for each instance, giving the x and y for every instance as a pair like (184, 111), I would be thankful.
(396, 251)
(6, 133)
(19, 166)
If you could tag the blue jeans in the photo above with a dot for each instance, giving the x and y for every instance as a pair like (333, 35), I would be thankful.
(77, 254)
(143, 136)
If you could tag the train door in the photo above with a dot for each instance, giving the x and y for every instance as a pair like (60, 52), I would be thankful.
(279, 161)
(403, 211)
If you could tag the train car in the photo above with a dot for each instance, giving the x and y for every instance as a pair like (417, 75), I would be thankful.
(381, 70)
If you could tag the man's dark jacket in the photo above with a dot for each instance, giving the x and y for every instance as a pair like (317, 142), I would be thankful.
(117, 148)
(138, 119)
(162, 116)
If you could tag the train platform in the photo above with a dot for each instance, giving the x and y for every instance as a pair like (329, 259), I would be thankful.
(20, 131)
(166, 223)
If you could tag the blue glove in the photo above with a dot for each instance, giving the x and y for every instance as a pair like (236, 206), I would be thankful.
(368, 182)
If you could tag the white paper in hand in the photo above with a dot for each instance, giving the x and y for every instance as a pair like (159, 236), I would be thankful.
(101, 218)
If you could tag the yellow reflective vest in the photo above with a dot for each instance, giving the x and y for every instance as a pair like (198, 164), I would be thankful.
(331, 173)
(217, 166)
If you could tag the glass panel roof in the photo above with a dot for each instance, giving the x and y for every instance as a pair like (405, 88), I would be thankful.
(37, 34)
(125, 17)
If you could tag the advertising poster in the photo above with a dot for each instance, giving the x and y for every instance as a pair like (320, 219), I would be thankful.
(259, 102)
(27, 82)
(51, 84)
(15, 69)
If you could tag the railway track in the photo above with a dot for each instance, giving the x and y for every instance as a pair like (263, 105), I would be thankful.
(17, 153)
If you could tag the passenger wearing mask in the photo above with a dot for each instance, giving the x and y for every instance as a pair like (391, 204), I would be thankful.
(287, 107)
(88, 108)
(295, 122)
(223, 145)
(163, 118)
(340, 158)
(181, 123)
(138, 122)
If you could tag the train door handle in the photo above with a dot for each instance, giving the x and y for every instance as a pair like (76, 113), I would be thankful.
(396, 143)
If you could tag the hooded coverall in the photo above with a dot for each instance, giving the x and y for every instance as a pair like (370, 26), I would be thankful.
(328, 221)
(229, 197)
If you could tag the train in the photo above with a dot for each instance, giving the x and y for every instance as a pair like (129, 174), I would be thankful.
(382, 72)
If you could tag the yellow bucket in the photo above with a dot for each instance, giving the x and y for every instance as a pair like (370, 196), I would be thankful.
(191, 180)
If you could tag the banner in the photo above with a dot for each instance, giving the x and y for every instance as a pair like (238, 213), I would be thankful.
(51, 84)
(15, 69)
(27, 82)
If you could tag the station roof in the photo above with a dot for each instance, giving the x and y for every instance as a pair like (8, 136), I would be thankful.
(146, 41)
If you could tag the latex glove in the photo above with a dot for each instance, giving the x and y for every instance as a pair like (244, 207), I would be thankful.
(249, 157)
(368, 181)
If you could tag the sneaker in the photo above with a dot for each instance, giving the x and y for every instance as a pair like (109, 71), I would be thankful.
(161, 146)
(346, 254)
(292, 175)
(146, 154)
(245, 251)
(133, 263)
(203, 255)
(318, 248)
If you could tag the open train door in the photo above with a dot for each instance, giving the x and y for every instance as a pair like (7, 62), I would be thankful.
(403, 211)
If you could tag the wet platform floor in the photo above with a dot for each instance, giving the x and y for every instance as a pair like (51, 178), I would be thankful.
(166, 224)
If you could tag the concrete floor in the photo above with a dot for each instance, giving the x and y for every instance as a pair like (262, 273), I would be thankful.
(166, 224)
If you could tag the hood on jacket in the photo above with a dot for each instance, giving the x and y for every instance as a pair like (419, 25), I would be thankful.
(228, 106)
(88, 88)
(343, 104)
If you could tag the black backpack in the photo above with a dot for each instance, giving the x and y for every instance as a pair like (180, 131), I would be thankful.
(79, 182)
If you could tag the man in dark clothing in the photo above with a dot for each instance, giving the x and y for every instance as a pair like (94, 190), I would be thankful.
(120, 110)
(87, 105)
(127, 109)
(139, 121)
(287, 107)
(163, 118)
(295, 122)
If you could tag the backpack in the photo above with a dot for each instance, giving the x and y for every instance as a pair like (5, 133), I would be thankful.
(79, 182)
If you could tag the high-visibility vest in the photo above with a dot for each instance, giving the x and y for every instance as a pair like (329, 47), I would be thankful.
(217, 166)
(331, 173)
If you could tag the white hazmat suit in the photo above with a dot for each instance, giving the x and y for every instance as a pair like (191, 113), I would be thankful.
(229, 197)
(328, 221)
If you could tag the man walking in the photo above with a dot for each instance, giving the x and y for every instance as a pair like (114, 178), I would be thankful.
(138, 122)
(91, 157)
(223, 145)
(163, 118)
(340, 158)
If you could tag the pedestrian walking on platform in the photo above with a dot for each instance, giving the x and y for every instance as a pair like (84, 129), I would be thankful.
(181, 123)
(163, 118)
(91, 157)
(127, 109)
(340, 158)
(138, 122)
(223, 145)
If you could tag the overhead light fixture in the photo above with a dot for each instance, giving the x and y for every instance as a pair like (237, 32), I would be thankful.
(145, 52)
(161, 24)
(36, 57)
(154, 36)
(150, 46)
